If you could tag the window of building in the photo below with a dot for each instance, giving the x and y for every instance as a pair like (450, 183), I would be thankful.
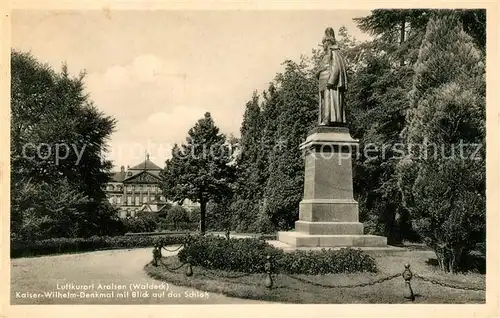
(129, 200)
(137, 201)
(119, 200)
(129, 188)
(144, 199)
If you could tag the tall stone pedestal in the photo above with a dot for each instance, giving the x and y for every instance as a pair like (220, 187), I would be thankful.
(328, 213)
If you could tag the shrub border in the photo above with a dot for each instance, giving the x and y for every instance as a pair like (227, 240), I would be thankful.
(96, 243)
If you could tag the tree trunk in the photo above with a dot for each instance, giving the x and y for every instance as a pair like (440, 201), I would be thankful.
(392, 228)
(402, 38)
(447, 259)
(203, 209)
(441, 258)
(458, 255)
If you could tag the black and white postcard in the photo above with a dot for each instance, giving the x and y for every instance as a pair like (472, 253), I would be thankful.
(271, 159)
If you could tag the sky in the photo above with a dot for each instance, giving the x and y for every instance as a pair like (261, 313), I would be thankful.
(158, 72)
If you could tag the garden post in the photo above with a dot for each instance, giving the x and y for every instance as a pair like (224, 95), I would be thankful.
(189, 270)
(156, 255)
(268, 268)
(407, 275)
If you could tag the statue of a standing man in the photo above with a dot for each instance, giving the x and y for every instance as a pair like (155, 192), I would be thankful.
(332, 77)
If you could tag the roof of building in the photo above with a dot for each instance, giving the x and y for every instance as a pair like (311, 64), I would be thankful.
(132, 174)
(145, 165)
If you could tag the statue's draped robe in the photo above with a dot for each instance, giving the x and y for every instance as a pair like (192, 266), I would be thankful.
(332, 87)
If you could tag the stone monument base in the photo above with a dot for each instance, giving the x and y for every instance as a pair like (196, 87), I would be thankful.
(328, 213)
(299, 239)
(372, 250)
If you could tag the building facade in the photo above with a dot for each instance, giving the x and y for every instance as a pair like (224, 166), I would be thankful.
(138, 189)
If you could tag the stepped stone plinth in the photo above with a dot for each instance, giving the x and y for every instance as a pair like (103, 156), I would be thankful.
(328, 213)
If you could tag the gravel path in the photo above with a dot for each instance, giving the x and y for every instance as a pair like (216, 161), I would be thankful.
(33, 278)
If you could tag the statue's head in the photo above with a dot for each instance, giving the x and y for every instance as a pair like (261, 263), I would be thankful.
(329, 38)
(329, 33)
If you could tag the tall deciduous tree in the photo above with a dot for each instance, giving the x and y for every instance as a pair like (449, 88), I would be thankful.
(199, 170)
(57, 140)
(250, 176)
(400, 31)
(443, 181)
(297, 115)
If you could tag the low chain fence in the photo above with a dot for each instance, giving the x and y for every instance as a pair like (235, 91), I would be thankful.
(434, 282)
(174, 250)
(269, 275)
(378, 281)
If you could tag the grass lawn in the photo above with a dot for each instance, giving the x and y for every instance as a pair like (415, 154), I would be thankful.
(289, 290)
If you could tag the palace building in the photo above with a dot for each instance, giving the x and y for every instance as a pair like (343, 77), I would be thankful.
(138, 189)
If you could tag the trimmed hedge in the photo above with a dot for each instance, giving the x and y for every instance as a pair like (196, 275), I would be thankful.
(248, 255)
(72, 245)
(188, 226)
(162, 233)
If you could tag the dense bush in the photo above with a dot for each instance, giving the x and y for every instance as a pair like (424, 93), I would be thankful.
(194, 215)
(142, 222)
(164, 225)
(71, 245)
(445, 190)
(249, 255)
(176, 215)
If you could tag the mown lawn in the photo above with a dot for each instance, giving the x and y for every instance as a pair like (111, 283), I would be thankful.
(289, 290)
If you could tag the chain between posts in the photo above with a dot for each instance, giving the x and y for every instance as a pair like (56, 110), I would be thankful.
(435, 282)
(215, 275)
(174, 250)
(269, 283)
(157, 258)
(378, 281)
(172, 269)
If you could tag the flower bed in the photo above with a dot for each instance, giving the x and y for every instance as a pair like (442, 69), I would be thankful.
(248, 255)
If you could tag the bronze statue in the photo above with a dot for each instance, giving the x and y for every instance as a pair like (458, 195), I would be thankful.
(332, 78)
